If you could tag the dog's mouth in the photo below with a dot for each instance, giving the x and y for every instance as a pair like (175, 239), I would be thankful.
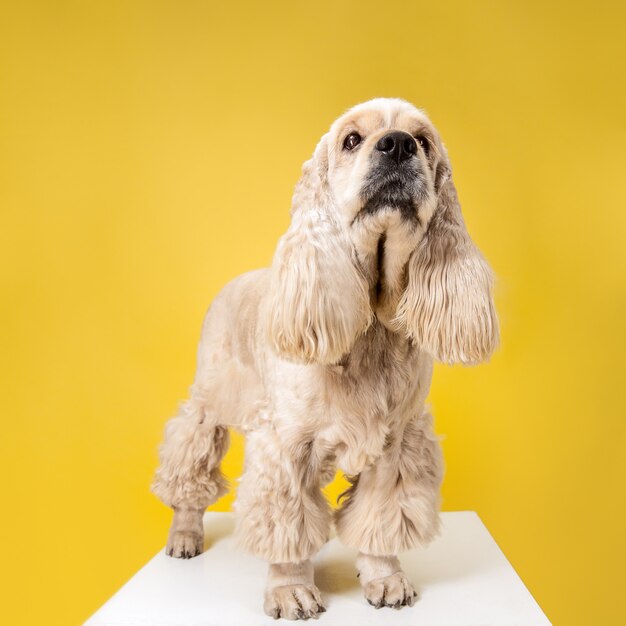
(402, 189)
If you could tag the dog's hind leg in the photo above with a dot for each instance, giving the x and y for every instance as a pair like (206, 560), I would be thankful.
(189, 477)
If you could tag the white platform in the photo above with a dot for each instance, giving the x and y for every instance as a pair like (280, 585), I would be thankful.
(463, 580)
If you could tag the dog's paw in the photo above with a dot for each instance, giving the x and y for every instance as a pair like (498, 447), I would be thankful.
(294, 602)
(394, 591)
(184, 544)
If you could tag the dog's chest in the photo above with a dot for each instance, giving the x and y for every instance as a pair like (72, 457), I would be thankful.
(376, 375)
(369, 392)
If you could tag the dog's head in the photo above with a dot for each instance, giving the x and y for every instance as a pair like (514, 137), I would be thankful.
(377, 230)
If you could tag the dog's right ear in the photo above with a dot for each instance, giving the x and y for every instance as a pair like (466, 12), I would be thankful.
(318, 301)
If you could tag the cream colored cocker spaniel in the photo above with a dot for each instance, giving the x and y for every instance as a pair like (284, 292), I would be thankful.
(325, 359)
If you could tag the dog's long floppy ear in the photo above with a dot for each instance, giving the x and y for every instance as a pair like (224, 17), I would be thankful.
(318, 301)
(447, 306)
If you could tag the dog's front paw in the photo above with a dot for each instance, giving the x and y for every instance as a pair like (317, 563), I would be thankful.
(184, 544)
(393, 591)
(294, 602)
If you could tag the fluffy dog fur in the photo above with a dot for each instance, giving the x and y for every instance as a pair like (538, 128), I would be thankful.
(324, 361)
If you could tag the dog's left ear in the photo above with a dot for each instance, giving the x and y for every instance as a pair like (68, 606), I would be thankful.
(448, 306)
(318, 301)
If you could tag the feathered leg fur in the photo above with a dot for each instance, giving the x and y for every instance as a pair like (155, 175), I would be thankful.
(282, 513)
(391, 507)
(189, 477)
(283, 518)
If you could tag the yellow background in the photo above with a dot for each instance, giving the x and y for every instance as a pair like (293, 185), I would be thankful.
(148, 155)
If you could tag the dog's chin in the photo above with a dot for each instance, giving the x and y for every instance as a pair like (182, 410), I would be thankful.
(403, 192)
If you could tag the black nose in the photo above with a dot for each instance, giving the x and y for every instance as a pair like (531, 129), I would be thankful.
(398, 145)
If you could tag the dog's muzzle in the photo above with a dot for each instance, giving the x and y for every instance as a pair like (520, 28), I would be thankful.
(395, 179)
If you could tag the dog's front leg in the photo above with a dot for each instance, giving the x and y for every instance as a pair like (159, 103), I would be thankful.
(291, 592)
(392, 506)
(383, 581)
(283, 518)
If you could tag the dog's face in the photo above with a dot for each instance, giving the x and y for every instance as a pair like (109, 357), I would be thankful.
(380, 158)
(381, 161)
(377, 232)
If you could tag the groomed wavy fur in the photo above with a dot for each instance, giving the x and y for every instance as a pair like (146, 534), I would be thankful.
(325, 359)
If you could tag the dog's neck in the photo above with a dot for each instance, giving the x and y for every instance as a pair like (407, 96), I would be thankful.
(384, 243)
(375, 347)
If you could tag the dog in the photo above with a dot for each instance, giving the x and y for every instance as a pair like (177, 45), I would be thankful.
(324, 361)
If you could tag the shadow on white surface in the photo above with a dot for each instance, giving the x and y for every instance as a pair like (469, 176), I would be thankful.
(216, 529)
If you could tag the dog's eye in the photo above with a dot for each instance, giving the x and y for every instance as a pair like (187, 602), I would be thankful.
(424, 143)
(352, 141)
